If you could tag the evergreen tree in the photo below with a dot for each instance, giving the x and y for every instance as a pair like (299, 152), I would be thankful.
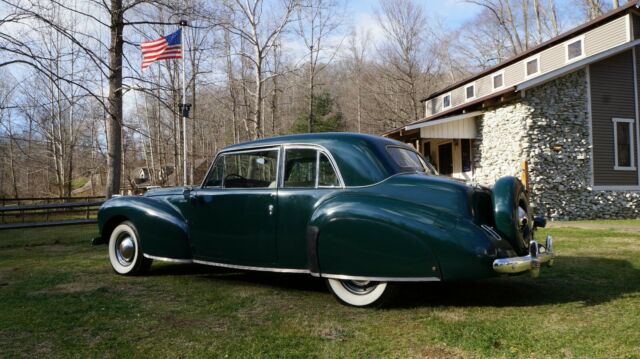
(327, 118)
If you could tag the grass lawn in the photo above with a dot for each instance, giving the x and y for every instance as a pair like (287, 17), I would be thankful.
(59, 298)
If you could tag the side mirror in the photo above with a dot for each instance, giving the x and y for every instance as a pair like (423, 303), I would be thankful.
(186, 193)
(539, 221)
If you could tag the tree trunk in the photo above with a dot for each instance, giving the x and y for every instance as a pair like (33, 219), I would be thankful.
(256, 131)
(538, 14)
(114, 122)
(311, 124)
(525, 23)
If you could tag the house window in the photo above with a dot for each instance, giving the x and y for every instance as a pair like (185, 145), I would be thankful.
(470, 91)
(623, 144)
(498, 80)
(575, 49)
(532, 66)
(446, 101)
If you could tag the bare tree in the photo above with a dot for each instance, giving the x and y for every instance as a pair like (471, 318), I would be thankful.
(317, 20)
(260, 34)
(593, 8)
(405, 53)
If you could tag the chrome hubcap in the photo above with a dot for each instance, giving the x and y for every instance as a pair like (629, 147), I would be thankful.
(524, 224)
(359, 287)
(125, 249)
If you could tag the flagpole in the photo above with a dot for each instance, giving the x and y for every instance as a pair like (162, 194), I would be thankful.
(183, 24)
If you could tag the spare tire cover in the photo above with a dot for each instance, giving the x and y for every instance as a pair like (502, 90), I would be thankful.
(509, 195)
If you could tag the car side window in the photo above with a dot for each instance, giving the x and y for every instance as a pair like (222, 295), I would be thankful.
(300, 168)
(250, 169)
(215, 176)
(326, 175)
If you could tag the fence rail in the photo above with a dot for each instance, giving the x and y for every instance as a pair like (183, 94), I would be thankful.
(14, 216)
(5, 201)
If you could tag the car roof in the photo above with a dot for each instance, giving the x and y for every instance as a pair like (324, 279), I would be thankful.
(362, 159)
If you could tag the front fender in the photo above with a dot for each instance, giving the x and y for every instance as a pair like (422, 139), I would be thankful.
(376, 236)
(162, 229)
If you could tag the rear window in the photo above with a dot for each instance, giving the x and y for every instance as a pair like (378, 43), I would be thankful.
(410, 161)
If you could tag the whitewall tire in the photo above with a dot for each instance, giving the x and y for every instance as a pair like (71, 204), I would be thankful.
(361, 293)
(125, 254)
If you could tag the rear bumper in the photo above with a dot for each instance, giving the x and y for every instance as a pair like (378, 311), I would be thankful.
(538, 255)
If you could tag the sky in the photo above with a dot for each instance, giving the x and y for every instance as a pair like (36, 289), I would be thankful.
(453, 12)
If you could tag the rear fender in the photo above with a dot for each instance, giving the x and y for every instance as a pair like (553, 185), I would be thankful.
(374, 236)
(162, 229)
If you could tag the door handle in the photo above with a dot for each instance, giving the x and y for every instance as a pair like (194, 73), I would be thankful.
(270, 209)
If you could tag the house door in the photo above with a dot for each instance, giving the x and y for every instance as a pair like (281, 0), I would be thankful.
(445, 159)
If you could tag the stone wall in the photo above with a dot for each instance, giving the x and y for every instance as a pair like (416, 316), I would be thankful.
(549, 128)
(499, 147)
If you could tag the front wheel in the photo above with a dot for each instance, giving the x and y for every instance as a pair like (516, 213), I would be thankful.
(124, 250)
(361, 293)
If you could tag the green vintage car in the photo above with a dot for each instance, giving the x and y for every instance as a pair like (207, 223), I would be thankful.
(363, 212)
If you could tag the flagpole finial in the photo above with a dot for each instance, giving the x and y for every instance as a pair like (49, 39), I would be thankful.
(183, 23)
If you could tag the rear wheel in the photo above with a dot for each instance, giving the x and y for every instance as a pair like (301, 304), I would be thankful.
(362, 293)
(124, 250)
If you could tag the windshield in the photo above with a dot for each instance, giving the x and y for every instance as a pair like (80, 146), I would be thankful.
(410, 161)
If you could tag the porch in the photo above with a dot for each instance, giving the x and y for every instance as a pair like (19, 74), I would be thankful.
(448, 143)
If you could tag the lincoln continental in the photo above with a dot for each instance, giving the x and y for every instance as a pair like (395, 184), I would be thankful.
(364, 213)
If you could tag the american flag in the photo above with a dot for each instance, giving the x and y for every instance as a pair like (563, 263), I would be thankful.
(166, 47)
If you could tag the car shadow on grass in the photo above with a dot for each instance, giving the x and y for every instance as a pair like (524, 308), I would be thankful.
(588, 280)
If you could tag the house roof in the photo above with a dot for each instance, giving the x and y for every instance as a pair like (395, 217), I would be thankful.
(551, 42)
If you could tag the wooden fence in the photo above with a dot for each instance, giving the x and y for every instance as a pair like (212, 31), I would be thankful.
(46, 212)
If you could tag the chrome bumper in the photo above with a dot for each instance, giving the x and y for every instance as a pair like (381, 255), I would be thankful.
(538, 255)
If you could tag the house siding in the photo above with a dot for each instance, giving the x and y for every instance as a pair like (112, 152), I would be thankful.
(612, 95)
(457, 96)
(514, 74)
(552, 58)
(484, 86)
(609, 35)
(457, 129)
(636, 27)
(599, 39)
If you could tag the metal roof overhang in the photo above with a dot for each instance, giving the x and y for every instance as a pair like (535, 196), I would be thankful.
(443, 120)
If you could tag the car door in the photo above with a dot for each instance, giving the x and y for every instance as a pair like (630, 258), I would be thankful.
(232, 217)
(300, 189)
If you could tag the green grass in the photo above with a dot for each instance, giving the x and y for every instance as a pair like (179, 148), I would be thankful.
(59, 298)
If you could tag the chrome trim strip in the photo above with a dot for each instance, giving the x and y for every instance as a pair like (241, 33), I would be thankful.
(298, 271)
(261, 269)
(491, 231)
(165, 259)
(377, 279)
